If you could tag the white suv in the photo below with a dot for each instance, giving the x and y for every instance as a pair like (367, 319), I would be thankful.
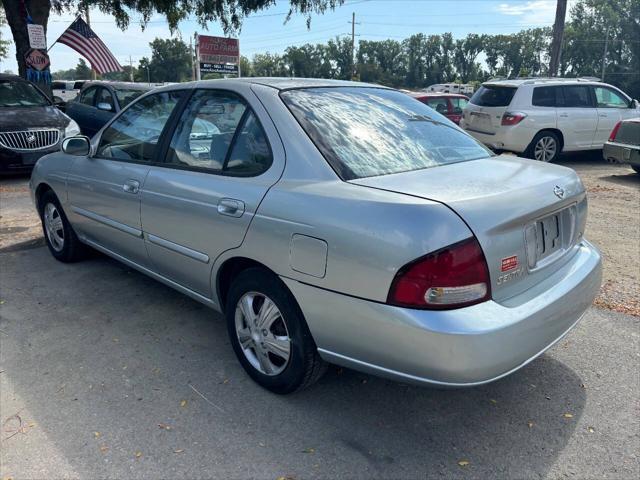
(545, 116)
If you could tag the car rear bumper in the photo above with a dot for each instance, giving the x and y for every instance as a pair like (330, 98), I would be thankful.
(513, 139)
(622, 153)
(454, 348)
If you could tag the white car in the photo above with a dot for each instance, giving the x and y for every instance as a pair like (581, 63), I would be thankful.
(66, 90)
(543, 117)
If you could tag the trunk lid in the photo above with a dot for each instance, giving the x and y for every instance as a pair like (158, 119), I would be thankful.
(528, 216)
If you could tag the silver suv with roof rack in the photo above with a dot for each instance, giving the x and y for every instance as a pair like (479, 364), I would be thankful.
(542, 117)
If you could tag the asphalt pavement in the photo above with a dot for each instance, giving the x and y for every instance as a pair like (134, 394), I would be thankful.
(105, 373)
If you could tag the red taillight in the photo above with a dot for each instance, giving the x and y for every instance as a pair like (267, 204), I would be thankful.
(510, 118)
(614, 132)
(452, 277)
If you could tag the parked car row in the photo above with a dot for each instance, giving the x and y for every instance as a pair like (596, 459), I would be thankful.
(331, 222)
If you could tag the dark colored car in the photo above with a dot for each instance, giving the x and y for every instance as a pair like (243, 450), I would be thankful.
(623, 145)
(448, 104)
(30, 125)
(98, 102)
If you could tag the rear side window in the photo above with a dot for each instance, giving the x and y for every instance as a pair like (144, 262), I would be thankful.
(366, 131)
(493, 96)
(545, 96)
(458, 105)
(134, 135)
(88, 95)
(577, 96)
(438, 104)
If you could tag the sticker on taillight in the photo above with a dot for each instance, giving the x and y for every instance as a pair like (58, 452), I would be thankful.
(509, 263)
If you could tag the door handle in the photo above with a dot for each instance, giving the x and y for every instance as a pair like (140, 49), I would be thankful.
(564, 115)
(231, 207)
(603, 115)
(131, 186)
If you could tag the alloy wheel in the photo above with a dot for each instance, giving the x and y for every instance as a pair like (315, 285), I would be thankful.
(54, 227)
(545, 149)
(262, 333)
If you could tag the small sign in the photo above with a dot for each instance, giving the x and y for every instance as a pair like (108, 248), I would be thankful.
(509, 263)
(37, 59)
(218, 68)
(37, 38)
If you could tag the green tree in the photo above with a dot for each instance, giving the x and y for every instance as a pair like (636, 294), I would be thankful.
(4, 44)
(170, 60)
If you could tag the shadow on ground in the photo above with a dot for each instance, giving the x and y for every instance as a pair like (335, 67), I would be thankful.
(97, 347)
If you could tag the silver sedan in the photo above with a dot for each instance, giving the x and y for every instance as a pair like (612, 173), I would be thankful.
(331, 222)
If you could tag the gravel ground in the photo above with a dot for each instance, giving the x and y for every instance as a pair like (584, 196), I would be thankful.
(613, 224)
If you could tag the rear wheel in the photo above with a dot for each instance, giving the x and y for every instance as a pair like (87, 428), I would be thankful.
(545, 147)
(269, 334)
(62, 241)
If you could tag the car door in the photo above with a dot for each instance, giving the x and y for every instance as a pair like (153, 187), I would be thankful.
(104, 188)
(82, 110)
(577, 116)
(611, 106)
(220, 161)
(105, 108)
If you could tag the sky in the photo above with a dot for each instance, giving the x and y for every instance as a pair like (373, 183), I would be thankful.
(266, 31)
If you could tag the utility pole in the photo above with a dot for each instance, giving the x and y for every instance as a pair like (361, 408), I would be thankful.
(88, 20)
(130, 69)
(558, 33)
(353, 45)
(604, 54)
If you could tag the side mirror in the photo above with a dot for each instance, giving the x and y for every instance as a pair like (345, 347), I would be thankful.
(78, 146)
(104, 106)
(58, 101)
(634, 104)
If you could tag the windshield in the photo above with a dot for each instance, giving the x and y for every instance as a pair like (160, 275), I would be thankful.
(493, 96)
(20, 94)
(365, 132)
(125, 97)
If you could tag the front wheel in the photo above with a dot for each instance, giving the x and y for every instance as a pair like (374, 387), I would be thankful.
(545, 147)
(58, 233)
(269, 334)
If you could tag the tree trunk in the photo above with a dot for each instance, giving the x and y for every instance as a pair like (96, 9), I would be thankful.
(17, 20)
(558, 33)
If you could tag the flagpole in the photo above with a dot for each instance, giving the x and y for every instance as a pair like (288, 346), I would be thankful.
(86, 14)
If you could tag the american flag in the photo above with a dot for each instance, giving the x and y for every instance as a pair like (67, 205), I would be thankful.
(83, 40)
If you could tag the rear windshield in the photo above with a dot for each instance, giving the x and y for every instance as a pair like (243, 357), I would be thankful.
(20, 94)
(493, 96)
(366, 132)
(125, 97)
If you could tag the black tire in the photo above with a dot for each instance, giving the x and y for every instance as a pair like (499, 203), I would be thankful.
(533, 151)
(304, 366)
(71, 249)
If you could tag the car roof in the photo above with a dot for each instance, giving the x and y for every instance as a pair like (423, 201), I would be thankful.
(279, 83)
(117, 85)
(15, 78)
(516, 82)
(436, 95)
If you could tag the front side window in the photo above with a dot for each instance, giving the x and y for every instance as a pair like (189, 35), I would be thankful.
(20, 94)
(366, 131)
(88, 96)
(134, 135)
(608, 98)
(219, 133)
(545, 96)
(493, 96)
(126, 96)
(576, 96)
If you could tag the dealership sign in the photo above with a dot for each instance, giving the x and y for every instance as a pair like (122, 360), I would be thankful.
(218, 54)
